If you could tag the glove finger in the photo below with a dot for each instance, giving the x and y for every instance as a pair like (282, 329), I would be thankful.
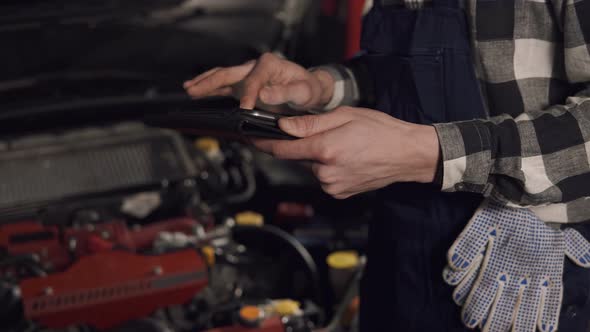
(577, 248)
(502, 312)
(480, 298)
(472, 241)
(464, 280)
(454, 277)
(551, 296)
(528, 307)
(466, 285)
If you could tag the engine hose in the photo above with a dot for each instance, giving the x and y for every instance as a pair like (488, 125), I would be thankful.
(352, 291)
(249, 191)
(268, 231)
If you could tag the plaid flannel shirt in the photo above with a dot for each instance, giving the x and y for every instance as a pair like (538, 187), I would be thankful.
(532, 58)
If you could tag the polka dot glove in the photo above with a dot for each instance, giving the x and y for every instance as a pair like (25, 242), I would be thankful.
(507, 266)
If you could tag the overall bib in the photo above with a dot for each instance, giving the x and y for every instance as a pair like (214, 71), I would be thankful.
(421, 64)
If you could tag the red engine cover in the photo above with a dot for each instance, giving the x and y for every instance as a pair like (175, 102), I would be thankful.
(52, 245)
(109, 288)
(32, 237)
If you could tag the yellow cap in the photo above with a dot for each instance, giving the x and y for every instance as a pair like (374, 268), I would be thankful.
(286, 307)
(209, 253)
(343, 259)
(249, 218)
(250, 314)
(207, 145)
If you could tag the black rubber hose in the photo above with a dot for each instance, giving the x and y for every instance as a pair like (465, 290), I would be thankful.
(286, 238)
(250, 189)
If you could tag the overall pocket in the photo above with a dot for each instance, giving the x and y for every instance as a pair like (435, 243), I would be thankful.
(410, 86)
(427, 76)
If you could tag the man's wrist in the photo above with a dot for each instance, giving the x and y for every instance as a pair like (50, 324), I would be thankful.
(327, 85)
(339, 85)
(439, 174)
(428, 153)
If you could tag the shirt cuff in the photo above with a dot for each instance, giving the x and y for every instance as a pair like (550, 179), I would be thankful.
(466, 154)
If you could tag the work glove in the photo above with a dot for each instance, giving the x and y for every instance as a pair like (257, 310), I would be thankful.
(507, 266)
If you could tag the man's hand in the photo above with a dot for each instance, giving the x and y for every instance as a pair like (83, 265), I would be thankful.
(270, 79)
(356, 150)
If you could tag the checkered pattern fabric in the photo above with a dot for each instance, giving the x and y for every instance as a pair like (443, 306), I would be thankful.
(533, 61)
(508, 265)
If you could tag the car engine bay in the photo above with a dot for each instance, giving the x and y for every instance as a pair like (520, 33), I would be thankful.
(109, 222)
(112, 227)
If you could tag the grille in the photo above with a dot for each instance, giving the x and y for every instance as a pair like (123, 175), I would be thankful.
(76, 164)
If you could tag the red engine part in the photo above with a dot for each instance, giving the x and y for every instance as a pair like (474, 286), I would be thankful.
(34, 238)
(293, 212)
(106, 236)
(56, 249)
(272, 324)
(112, 287)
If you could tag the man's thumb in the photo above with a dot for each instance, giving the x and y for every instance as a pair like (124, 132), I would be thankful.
(309, 125)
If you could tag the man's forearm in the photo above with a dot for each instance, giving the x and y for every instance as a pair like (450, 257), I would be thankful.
(535, 159)
(351, 86)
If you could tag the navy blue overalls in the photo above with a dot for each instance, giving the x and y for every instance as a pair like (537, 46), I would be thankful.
(421, 64)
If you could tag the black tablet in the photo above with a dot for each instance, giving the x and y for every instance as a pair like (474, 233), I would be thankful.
(249, 123)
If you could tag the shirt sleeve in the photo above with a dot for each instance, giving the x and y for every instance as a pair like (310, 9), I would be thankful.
(346, 92)
(538, 158)
(353, 85)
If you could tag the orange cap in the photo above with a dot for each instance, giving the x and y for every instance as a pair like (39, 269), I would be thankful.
(250, 314)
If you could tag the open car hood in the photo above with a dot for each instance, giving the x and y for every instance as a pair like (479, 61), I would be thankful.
(70, 61)
(27, 12)
(70, 50)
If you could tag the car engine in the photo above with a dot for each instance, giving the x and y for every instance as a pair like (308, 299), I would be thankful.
(111, 222)
(127, 227)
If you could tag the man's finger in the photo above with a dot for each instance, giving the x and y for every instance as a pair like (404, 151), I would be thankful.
(200, 77)
(309, 125)
(301, 149)
(259, 77)
(331, 189)
(255, 81)
(225, 91)
(324, 173)
(221, 78)
(213, 81)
